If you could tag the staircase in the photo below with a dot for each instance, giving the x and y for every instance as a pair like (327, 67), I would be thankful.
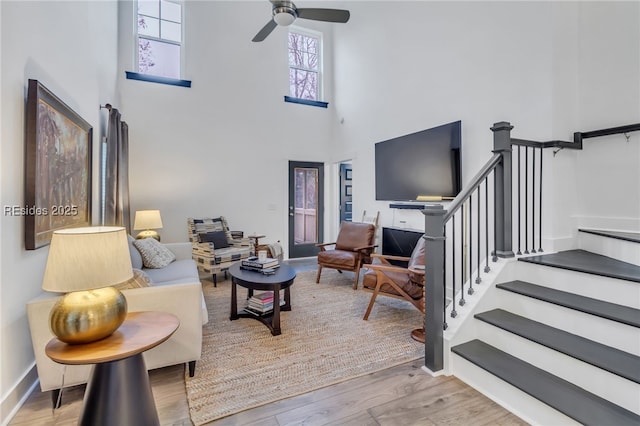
(558, 341)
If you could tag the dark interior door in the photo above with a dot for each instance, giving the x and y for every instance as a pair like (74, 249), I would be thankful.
(346, 188)
(306, 208)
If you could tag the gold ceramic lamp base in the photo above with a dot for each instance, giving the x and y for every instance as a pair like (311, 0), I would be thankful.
(87, 316)
(149, 233)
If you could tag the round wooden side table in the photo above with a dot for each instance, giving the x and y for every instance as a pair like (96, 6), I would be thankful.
(118, 391)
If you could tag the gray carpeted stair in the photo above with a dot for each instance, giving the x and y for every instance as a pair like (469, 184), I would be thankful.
(611, 311)
(569, 399)
(602, 356)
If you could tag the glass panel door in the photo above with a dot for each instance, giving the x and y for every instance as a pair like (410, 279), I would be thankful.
(305, 208)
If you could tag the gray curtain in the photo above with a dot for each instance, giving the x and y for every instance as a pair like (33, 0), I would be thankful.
(116, 200)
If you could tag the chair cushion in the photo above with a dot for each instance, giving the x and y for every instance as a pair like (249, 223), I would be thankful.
(414, 290)
(136, 258)
(138, 280)
(355, 234)
(337, 259)
(154, 254)
(218, 238)
(417, 261)
(180, 271)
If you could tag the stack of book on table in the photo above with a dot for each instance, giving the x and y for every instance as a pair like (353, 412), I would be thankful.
(262, 303)
(266, 266)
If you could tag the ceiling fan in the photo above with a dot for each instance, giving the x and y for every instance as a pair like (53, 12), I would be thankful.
(285, 12)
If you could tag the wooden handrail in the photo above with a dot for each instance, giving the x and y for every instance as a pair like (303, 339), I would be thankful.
(475, 182)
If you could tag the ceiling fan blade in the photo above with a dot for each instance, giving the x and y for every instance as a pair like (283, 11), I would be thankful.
(328, 15)
(265, 31)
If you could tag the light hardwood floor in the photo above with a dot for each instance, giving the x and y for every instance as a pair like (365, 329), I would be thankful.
(402, 395)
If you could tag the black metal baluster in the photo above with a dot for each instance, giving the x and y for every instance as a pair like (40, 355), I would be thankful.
(486, 224)
(444, 280)
(470, 291)
(462, 302)
(519, 213)
(526, 200)
(495, 225)
(540, 206)
(533, 202)
(453, 269)
(478, 279)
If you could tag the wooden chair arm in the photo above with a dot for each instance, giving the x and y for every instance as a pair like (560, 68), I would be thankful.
(325, 244)
(386, 257)
(371, 247)
(385, 268)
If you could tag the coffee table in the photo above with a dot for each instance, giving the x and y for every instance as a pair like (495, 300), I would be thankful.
(281, 280)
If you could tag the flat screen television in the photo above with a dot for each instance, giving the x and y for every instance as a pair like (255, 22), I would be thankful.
(425, 163)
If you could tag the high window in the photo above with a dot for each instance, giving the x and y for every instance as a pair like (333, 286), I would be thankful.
(305, 65)
(160, 37)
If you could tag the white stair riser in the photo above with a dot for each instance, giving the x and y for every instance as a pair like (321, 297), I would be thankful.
(612, 290)
(625, 251)
(520, 403)
(609, 386)
(607, 332)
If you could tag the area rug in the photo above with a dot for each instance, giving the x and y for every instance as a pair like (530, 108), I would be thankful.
(324, 341)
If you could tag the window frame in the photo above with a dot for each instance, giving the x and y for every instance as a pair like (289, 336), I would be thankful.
(320, 77)
(139, 75)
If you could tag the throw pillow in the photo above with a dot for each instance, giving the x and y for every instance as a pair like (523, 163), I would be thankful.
(218, 238)
(140, 279)
(212, 224)
(136, 259)
(154, 255)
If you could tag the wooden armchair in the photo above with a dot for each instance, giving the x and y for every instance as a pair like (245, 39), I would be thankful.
(352, 249)
(383, 278)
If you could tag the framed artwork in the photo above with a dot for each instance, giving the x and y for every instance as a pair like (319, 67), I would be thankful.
(57, 167)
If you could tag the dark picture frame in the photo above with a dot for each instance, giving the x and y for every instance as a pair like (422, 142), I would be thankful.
(58, 167)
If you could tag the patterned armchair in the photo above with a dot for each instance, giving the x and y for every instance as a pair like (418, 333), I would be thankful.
(214, 246)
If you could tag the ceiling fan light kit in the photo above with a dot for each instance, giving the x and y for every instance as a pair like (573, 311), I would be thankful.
(284, 13)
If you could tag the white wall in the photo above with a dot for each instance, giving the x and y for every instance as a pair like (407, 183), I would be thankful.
(608, 96)
(222, 146)
(437, 62)
(70, 47)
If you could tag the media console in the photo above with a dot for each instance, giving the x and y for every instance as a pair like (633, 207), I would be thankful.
(407, 206)
(399, 242)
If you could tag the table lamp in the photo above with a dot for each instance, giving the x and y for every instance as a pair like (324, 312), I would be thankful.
(85, 263)
(147, 220)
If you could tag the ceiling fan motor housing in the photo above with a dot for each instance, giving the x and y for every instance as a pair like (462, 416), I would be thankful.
(284, 13)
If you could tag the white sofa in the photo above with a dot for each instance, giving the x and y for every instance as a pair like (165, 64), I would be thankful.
(175, 289)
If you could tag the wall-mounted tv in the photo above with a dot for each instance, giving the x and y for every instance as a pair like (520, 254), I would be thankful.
(425, 163)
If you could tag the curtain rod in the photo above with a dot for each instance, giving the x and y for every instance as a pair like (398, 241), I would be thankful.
(107, 106)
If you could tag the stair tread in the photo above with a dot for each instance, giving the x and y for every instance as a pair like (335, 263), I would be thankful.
(608, 310)
(591, 263)
(634, 237)
(605, 357)
(569, 399)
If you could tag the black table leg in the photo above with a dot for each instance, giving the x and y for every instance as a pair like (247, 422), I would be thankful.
(234, 301)
(119, 393)
(275, 320)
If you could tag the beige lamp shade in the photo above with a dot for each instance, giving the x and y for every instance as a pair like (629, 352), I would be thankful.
(147, 219)
(87, 258)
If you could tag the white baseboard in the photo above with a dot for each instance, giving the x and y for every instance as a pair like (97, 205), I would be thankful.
(16, 397)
